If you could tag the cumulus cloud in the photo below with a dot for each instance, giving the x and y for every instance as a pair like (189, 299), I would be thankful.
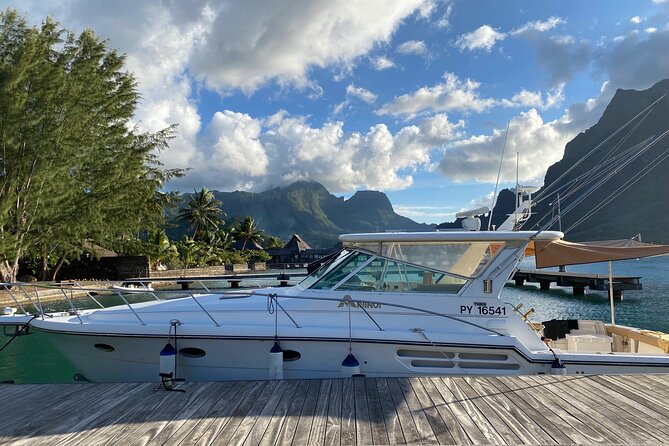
(540, 144)
(252, 42)
(412, 47)
(484, 38)
(538, 26)
(525, 98)
(248, 153)
(636, 20)
(381, 63)
(360, 93)
(453, 94)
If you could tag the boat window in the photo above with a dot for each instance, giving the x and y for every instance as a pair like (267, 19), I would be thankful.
(388, 275)
(325, 268)
(466, 259)
(340, 271)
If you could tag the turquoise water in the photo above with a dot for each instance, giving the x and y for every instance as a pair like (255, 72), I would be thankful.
(31, 359)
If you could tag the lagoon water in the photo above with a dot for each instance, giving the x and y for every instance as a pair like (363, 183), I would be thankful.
(30, 359)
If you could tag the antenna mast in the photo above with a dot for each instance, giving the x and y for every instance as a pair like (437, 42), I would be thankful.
(499, 170)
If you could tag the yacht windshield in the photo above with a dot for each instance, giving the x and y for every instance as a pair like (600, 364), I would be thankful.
(360, 271)
(465, 259)
(325, 268)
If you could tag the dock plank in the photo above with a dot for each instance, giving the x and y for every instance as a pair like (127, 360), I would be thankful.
(348, 433)
(333, 430)
(561, 431)
(376, 414)
(522, 426)
(265, 411)
(292, 417)
(613, 406)
(202, 429)
(443, 408)
(472, 415)
(409, 428)
(303, 428)
(582, 422)
(390, 417)
(319, 426)
(230, 411)
(440, 429)
(277, 419)
(539, 409)
(218, 393)
(425, 432)
(487, 411)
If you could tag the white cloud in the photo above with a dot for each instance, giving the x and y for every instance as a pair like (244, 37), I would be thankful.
(525, 98)
(650, 30)
(412, 47)
(444, 20)
(381, 63)
(539, 144)
(428, 214)
(229, 133)
(241, 152)
(455, 94)
(538, 26)
(451, 95)
(657, 2)
(636, 20)
(361, 93)
(255, 41)
(485, 37)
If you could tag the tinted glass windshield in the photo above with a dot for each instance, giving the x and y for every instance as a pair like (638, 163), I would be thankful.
(360, 271)
(465, 259)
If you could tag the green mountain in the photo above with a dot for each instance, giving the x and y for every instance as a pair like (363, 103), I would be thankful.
(644, 207)
(308, 209)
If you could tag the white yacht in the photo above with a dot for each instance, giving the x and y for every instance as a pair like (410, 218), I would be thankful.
(389, 304)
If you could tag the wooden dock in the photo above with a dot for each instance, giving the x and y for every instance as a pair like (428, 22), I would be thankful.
(430, 410)
(578, 281)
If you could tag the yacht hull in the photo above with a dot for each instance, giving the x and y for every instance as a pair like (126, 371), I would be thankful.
(104, 358)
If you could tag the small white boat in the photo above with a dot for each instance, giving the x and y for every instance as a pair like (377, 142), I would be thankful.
(132, 288)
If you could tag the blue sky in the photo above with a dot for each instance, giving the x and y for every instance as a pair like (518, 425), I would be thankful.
(411, 97)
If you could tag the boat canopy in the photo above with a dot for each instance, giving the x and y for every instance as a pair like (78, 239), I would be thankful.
(562, 253)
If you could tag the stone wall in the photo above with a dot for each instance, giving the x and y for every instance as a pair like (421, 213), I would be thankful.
(209, 271)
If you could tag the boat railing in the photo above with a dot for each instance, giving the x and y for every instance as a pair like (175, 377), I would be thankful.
(273, 296)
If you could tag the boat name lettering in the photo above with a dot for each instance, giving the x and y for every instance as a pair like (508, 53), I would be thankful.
(361, 304)
(483, 310)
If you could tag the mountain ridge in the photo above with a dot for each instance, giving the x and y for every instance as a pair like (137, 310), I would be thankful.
(309, 209)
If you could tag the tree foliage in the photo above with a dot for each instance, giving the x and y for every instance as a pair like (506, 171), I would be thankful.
(72, 166)
(248, 231)
(203, 214)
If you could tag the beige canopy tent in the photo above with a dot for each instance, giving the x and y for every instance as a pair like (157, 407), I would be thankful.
(562, 252)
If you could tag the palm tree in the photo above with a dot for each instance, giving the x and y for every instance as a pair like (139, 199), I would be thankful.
(203, 213)
(248, 231)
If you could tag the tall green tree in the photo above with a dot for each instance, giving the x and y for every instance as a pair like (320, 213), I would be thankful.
(203, 214)
(72, 166)
(248, 231)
